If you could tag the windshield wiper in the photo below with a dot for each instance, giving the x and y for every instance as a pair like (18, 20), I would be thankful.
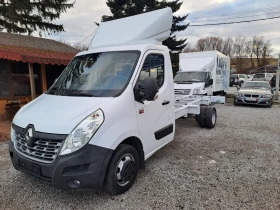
(80, 94)
(52, 91)
(183, 82)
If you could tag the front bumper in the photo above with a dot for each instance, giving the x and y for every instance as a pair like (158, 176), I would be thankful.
(258, 101)
(87, 166)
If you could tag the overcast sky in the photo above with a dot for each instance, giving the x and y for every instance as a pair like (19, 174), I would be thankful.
(79, 21)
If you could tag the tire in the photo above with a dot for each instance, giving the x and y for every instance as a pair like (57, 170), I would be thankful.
(201, 117)
(234, 103)
(270, 104)
(127, 157)
(210, 117)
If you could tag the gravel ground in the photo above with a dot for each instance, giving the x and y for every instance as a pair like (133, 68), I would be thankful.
(3, 138)
(233, 166)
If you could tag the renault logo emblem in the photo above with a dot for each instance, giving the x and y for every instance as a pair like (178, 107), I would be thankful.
(29, 137)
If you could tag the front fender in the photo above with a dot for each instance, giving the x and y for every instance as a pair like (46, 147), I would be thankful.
(115, 142)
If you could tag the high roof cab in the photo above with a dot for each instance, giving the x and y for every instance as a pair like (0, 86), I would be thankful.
(110, 110)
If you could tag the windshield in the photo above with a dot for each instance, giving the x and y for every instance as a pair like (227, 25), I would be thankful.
(259, 76)
(191, 77)
(256, 85)
(103, 74)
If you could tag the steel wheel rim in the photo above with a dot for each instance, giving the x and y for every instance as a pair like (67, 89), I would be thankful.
(124, 158)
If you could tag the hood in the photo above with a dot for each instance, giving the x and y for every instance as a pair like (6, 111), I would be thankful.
(254, 91)
(190, 86)
(57, 114)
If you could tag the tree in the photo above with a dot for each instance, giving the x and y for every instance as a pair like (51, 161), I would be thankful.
(261, 50)
(240, 52)
(245, 53)
(125, 8)
(189, 49)
(227, 48)
(210, 43)
(27, 16)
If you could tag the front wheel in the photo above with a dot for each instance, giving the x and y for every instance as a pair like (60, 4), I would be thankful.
(270, 104)
(122, 170)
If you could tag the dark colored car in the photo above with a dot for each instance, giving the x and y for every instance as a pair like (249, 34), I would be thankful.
(237, 79)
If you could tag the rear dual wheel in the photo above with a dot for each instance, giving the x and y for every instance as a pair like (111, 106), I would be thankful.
(207, 117)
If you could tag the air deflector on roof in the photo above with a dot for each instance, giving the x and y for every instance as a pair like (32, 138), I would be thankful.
(149, 28)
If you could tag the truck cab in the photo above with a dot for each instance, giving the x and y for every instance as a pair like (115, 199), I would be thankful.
(202, 73)
(193, 82)
(109, 111)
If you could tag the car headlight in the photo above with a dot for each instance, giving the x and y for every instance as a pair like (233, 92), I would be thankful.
(267, 96)
(13, 135)
(196, 91)
(239, 94)
(82, 133)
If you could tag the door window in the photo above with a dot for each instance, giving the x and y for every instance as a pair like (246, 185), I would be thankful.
(153, 67)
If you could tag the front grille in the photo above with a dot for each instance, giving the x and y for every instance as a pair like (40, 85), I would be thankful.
(251, 102)
(182, 92)
(253, 96)
(44, 150)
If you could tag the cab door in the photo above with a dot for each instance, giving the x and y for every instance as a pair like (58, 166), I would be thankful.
(156, 121)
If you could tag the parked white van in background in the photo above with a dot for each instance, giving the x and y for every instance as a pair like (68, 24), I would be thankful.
(202, 73)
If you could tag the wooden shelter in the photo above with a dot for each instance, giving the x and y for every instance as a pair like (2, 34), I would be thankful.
(28, 67)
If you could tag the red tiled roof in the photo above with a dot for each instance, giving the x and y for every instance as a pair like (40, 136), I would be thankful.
(35, 50)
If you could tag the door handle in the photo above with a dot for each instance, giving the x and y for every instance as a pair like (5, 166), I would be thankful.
(165, 102)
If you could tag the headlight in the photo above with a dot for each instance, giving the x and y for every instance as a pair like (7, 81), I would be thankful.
(267, 96)
(82, 133)
(239, 94)
(13, 135)
(196, 91)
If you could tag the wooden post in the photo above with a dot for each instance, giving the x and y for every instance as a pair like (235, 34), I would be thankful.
(44, 78)
(32, 82)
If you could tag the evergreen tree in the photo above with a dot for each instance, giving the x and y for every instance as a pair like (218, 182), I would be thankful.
(125, 8)
(27, 16)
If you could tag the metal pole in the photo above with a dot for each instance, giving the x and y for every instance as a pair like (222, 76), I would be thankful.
(277, 79)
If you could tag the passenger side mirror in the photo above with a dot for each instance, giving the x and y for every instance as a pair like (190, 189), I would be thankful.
(146, 90)
(209, 82)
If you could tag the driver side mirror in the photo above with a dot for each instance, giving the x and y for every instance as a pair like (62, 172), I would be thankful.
(146, 90)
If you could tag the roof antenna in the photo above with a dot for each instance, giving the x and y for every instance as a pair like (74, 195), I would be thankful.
(93, 36)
